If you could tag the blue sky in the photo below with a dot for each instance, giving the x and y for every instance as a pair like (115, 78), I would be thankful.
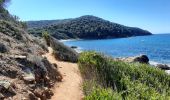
(152, 15)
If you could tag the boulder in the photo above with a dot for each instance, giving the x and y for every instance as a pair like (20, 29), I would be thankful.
(3, 48)
(139, 59)
(142, 59)
(163, 66)
(73, 47)
(28, 77)
(2, 96)
(32, 96)
(43, 93)
(6, 86)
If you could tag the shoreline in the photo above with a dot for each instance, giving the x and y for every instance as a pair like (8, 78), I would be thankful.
(65, 40)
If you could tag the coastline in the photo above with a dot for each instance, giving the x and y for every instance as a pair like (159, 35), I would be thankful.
(65, 40)
(79, 50)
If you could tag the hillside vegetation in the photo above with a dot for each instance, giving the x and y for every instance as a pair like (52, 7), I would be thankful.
(24, 73)
(105, 79)
(86, 27)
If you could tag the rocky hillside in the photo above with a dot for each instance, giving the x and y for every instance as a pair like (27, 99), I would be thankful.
(86, 27)
(24, 73)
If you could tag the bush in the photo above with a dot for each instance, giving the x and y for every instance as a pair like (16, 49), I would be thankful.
(103, 94)
(46, 36)
(63, 52)
(133, 80)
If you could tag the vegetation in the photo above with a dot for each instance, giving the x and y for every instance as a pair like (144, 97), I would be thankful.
(63, 52)
(89, 27)
(21, 60)
(129, 81)
(46, 36)
(45, 23)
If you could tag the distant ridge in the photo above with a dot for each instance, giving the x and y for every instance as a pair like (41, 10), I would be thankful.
(84, 27)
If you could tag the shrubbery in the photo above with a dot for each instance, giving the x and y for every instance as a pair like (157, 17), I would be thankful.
(133, 81)
(85, 27)
(63, 52)
(46, 36)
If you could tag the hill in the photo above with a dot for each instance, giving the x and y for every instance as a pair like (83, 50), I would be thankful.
(85, 27)
(45, 23)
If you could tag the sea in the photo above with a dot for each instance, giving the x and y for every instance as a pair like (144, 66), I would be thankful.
(156, 47)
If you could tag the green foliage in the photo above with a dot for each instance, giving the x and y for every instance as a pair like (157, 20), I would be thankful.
(46, 36)
(87, 27)
(63, 52)
(11, 29)
(133, 80)
(103, 94)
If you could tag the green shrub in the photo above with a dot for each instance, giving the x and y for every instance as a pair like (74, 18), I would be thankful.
(133, 80)
(46, 36)
(63, 52)
(103, 94)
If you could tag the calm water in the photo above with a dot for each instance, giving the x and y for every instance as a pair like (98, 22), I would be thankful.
(157, 47)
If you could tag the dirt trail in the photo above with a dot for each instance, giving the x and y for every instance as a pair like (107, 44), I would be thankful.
(70, 87)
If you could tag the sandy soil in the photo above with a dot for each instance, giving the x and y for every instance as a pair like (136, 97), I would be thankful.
(70, 87)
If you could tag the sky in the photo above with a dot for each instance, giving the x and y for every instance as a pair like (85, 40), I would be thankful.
(151, 15)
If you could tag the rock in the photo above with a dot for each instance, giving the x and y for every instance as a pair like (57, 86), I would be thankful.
(12, 90)
(142, 59)
(3, 48)
(7, 86)
(29, 77)
(163, 66)
(32, 96)
(49, 93)
(43, 93)
(19, 57)
(55, 65)
(40, 93)
(4, 84)
(73, 47)
(2, 96)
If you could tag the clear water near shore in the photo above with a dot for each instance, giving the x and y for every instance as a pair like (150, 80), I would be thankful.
(156, 47)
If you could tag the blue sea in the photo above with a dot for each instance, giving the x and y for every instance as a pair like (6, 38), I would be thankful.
(156, 47)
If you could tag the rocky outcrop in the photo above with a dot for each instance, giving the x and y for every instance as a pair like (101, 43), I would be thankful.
(142, 59)
(23, 70)
(163, 66)
(6, 89)
(139, 59)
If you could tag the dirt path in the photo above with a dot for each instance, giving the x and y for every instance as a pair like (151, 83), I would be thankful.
(70, 87)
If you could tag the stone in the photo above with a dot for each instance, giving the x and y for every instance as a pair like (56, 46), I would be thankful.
(139, 59)
(2, 96)
(4, 84)
(29, 77)
(7, 86)
(163, 66)
(73, 47)
(32, 96)
(142, 59)
(40, 93)
(3, 48)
